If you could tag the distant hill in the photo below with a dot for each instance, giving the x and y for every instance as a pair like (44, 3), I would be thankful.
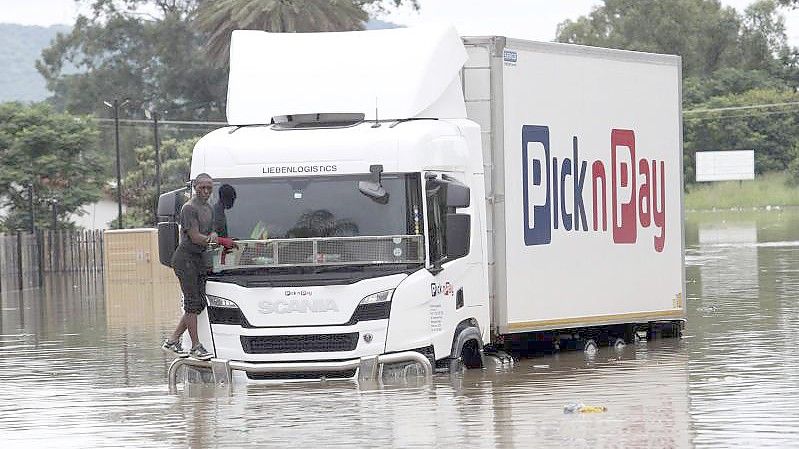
(376, 24)
(20, 47)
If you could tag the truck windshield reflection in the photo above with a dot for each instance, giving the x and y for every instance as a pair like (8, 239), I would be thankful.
(289, 222)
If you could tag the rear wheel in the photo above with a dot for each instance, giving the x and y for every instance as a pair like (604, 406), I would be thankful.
(590, 348)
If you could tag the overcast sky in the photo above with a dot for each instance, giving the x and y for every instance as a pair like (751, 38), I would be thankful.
(526, 19)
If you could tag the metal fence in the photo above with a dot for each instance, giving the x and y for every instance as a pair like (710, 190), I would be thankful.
(26, 257)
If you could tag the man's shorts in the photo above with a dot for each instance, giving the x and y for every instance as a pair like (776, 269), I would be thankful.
(191, 274)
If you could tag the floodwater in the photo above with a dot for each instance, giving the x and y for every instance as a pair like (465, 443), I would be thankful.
(80, 367)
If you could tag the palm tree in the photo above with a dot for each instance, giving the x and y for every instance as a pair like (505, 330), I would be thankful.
(220, 17)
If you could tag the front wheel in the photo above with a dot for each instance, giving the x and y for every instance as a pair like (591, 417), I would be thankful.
(472, 354)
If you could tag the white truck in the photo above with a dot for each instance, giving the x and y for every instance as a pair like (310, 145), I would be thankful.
(410, 196)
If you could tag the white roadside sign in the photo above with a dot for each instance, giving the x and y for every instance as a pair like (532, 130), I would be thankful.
(725, 165)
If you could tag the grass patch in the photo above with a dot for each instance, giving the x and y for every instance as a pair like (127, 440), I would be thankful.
(768, 189)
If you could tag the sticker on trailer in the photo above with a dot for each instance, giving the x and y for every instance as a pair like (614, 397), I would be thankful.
(548, 181)
(510, 57)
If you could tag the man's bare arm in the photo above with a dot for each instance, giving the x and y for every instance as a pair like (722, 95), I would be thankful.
(201, 239)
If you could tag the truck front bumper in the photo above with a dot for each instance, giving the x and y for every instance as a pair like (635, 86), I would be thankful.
(366, 368)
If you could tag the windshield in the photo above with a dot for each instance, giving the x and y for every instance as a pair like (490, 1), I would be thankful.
(318, 206)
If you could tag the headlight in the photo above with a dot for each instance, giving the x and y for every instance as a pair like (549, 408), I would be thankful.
(375, 298)
(216, 301)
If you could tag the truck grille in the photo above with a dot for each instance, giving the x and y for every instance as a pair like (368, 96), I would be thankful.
(279, 344)
(343, 374)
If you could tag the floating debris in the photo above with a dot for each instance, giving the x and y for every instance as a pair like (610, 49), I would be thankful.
(582, 408)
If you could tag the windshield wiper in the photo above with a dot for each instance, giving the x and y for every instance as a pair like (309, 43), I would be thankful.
(334, 268)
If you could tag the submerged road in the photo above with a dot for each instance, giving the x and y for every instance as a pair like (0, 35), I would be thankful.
(80, 367)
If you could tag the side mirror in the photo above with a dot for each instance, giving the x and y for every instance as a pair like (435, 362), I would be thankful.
(169, 205)
(167, 242)
(457, 195)
(458, 235)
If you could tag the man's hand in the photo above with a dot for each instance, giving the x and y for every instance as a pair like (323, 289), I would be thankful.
(212, 238)
(226, 242)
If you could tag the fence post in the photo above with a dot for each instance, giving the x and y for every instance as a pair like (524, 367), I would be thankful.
(50, 249)
(19, 260)
(71, 242)
(102, 250)
(86, 248)
(95, 239)
(94, 251)
(54, 250)
(2, 261)
(78, 248)
(57, 250)
(40, 255)
(62, 252)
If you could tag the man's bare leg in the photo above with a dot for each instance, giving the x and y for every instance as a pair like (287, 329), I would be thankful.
(182, 326)
(191, 325)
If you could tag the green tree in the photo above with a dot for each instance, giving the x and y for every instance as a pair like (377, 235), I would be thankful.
(139, 193)
(706, 35)
(703, 32)
(730, 60)
(771, 132)
(56, 153)
(762, 35)
(219, 19)
(155, 52)
(726, 81)
(117, 51)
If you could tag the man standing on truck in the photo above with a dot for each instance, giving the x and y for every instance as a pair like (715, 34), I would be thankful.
(196, 221)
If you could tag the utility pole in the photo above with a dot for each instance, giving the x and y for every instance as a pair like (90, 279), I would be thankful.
(154, 116)
(115, 105)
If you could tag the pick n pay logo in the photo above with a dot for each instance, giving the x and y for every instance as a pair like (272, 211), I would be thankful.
(555, 191)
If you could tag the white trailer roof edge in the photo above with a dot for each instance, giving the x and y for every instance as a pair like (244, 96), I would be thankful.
(575, 49)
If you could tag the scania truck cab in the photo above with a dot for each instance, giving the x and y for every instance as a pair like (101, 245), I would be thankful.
(391, 189)
(339, 262)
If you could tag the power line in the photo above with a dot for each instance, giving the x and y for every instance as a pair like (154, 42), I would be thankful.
(740, 108)
(165, 122)
(758, 114)
(688, 112)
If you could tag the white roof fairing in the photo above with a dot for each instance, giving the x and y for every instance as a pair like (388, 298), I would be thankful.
(405, 73)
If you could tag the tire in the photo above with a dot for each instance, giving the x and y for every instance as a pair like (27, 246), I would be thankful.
(471, 355)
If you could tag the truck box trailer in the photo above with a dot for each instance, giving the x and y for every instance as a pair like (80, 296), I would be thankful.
(411, 196)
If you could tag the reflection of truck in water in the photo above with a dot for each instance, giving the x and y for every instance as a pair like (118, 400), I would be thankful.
(411, 196)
